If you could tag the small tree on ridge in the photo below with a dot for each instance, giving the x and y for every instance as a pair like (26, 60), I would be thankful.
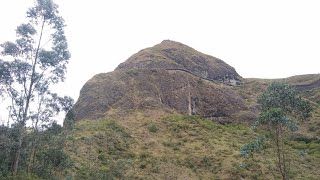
(280, 105)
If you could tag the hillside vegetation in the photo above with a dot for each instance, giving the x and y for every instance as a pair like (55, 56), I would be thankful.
(157, 145)
(164, 144)
(171, 112)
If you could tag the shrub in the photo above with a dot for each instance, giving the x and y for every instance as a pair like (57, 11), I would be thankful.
(153, 128)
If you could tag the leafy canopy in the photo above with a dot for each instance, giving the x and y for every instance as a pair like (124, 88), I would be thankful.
(280, 106)
(285, 98)
(39, 57)
(35, 61)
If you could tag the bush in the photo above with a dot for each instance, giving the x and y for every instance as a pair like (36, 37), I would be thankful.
(132, 72)
(153, 128)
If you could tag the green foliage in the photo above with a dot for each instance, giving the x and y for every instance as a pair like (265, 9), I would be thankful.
(132, 72)
(153, 128)
(38, 59)
(103, 146)
(284, 97)
(47, 152)
(253, 147)
(183, 147)
(7, 142)
(4, 75)
(278, 102)
(42, 155)
(69, 120)
(275, 118)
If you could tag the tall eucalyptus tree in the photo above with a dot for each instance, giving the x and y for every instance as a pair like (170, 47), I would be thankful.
(36, 60)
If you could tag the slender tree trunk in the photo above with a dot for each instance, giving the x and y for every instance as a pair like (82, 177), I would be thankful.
(34, 142)
(31, 159)
(25, 112)
(18, 151)
(280, 154)
(33, 150)
(284, 161)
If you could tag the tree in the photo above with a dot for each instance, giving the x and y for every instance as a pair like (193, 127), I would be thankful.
(4, 75)
(48, 152)
(280, 107)
(6, 144)
(38, 60)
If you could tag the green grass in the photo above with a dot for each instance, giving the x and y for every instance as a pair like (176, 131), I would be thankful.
(100, 150)
(153, 145)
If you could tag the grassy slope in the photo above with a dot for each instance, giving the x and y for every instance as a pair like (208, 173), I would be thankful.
(155, 145)
(163, 145)
(253, 87)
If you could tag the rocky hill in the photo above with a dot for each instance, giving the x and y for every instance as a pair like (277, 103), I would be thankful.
(169, 76)
(171, 112)
(173, 55)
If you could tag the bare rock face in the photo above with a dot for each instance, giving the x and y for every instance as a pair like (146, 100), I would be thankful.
(173, 55)
(150, 89)
(169, 76)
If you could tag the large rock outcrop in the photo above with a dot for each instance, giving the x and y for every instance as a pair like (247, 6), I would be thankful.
(174, 55)
(169, 76)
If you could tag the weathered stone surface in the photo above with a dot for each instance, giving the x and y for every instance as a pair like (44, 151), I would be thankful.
(173, 55)
(169, 76)
(179, 91)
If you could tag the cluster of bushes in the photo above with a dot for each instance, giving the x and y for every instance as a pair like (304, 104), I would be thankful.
(42, 152)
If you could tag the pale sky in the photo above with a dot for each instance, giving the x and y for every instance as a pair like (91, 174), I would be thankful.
(263, 39)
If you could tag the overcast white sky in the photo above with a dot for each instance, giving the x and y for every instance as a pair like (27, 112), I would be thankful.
(263, 39)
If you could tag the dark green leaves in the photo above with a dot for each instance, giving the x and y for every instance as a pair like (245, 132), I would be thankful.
(20, 70)
(5, 76)
(255, 146)
(38, 59)
(47, 58)
(23, 45)
(304, 109)
(278, 96)
(26, 30)
(284, 97)
(66, 103)
(10, 49)
(60, 45)
(277, 103)
(45, 9)
(38, 56)
(274, 118)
